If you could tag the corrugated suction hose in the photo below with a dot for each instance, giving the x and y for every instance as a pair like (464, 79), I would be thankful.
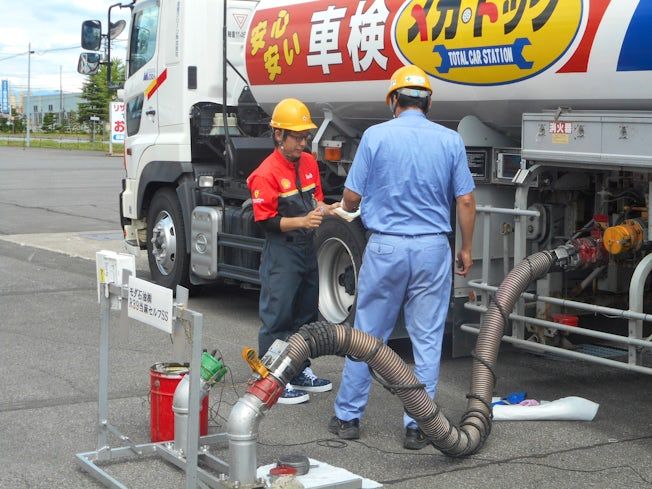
(319, 339)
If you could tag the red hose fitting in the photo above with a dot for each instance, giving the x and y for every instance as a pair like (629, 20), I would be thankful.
(590, 251)
(268, 390)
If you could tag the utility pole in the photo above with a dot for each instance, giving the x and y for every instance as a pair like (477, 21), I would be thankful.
(60, 98)
(29, 92)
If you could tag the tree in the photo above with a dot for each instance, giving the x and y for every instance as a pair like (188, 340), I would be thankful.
(49, 121)
(70, 122)
(96, 94)
(16, 122)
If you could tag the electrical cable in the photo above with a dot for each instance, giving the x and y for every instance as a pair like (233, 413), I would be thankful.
(13, 56)
(40, 52)
(339, 444)
(214, 408)
(522, 460)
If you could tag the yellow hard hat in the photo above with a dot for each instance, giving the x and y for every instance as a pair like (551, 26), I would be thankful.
(410, 76)
(293, 115)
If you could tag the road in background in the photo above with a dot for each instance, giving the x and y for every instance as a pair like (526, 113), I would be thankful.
(62, 201)
(43, 191)
(57, 208)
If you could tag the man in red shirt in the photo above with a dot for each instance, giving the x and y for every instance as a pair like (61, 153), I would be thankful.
(288, 204)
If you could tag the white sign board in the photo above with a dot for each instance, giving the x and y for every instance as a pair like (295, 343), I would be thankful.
(150, 304)
(109, 266)
(118, 126)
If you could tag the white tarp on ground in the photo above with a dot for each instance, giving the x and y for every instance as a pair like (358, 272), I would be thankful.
(564, 409)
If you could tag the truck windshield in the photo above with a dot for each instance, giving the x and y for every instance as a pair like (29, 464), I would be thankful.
(142, 41)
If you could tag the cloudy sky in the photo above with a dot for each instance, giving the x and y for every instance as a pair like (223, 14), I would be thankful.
(54, 29)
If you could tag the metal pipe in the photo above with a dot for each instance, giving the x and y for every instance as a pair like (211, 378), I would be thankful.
(609, 311)
(520, 235)
(29, 94)
(181, 408)
(592, 276)
(503, 210)
(243, 433)
(636, 291)
(103, 381)
(570, 329)
(538, 346)
(505, 254)
(649, 210)
(486, 237)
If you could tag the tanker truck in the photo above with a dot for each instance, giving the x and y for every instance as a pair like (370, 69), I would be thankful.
(550, 98)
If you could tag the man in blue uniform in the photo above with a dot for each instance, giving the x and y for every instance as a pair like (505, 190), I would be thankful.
(406, 174)
(288, 204)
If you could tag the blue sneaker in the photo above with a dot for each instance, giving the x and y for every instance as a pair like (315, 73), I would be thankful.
(293, 396)
(309, 382)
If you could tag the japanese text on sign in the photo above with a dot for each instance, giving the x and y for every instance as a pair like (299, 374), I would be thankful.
(485, 42)
(279, 36)
(512, 15)
(118, 122)
(561, 127)
(150, 303)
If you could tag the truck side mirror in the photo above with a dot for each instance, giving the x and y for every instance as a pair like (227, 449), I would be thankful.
(91, 35)
(89, 63)
(116, 28)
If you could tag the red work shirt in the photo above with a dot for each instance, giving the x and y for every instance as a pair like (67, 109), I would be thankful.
(273, 187)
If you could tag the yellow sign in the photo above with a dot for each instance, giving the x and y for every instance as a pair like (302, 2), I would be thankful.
(485, 43)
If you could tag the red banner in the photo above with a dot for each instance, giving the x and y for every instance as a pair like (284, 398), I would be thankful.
(322, 41)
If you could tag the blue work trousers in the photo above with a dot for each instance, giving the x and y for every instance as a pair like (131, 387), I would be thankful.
(410, 272)
(289, 288)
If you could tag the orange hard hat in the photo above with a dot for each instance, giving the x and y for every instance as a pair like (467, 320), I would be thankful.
(410, 76)
(293, 115)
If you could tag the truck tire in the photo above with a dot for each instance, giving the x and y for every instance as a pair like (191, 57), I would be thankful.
(166, 243)
(339, 246)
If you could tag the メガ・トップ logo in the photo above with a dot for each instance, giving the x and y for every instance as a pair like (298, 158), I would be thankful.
(485, 42)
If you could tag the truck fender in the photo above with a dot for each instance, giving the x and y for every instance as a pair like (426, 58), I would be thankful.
(157, 174)
(187, 199)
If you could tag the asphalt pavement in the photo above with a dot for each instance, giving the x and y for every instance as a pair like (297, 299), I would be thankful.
(57, 208)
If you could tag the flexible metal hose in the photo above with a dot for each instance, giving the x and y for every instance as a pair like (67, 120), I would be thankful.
(318, 339)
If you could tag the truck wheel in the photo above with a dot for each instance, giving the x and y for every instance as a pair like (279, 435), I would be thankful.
(339, 247)
(166, 242)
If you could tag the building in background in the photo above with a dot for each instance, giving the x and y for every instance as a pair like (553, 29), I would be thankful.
(61, 104)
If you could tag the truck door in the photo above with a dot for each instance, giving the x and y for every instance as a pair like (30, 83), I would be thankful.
(141, 85)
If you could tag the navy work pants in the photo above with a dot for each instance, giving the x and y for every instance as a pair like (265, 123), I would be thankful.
(289, 293)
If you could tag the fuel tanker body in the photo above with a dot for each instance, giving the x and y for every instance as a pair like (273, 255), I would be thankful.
(203, 77)
(492, 59)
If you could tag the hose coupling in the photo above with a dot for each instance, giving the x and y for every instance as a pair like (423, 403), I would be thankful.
(267, 389)
(566, 256)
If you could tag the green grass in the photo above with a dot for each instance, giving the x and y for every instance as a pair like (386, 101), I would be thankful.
(82, 145)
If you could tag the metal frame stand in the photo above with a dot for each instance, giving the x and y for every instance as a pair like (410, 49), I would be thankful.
(187, 459)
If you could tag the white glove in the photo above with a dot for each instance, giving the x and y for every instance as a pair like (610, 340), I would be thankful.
(347, 216)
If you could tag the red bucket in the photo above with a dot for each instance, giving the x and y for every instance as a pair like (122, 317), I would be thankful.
(566, 319)
(163, 380)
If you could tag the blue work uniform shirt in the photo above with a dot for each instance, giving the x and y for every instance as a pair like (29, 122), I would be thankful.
(408, 171)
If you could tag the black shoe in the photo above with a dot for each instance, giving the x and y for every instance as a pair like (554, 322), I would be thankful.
(414, 439)
(347, 430)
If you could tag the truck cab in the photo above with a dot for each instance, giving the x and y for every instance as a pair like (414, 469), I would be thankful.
(187, 154)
